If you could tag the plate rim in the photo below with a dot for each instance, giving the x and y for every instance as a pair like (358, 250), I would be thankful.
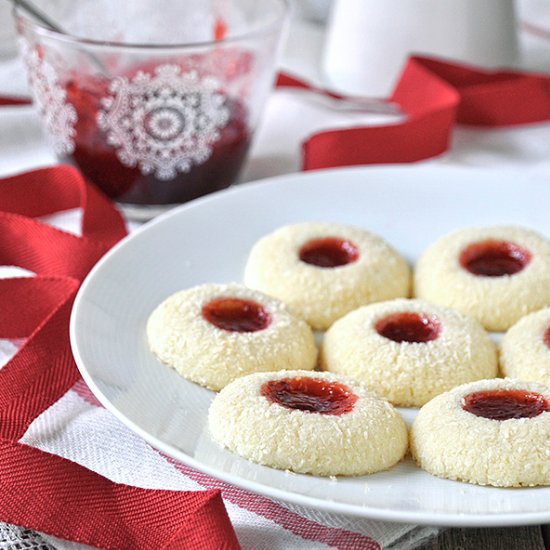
(441, 519)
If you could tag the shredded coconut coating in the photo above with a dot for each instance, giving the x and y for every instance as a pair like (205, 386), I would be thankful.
(322, 295)
(523, 353)
(409, 374)
(212, 357)
(370, 438)
(497, 302)
(449, 442)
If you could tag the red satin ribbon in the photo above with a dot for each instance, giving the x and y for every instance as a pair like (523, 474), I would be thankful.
(39, 490)
(434, 95)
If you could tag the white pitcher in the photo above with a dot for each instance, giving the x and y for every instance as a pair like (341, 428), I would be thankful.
(368, 41)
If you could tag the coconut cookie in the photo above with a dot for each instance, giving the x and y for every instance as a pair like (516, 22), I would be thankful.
(489, 432)
(322, 271)
(525, 349)
(308, 422)
(212, 334)
(496, 274)
(409, 351)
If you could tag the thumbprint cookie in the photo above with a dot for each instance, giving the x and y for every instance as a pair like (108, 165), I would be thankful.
(489, 432)
(322, 271)
(525, 349)
(496, 274)
(409, 351)
(213, 333)
(308, 422)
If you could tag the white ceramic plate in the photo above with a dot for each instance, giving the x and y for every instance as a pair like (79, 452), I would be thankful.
(208, 241)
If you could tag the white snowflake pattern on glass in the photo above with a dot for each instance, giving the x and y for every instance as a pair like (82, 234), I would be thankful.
(58, 115)
(163, 123)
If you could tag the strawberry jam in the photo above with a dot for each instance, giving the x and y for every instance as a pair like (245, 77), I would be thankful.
(310, 395)
(236, 315)
(409, 327)
(505, 404)
(103, 163)
(546, 337)
(328, 252)
(493, 258)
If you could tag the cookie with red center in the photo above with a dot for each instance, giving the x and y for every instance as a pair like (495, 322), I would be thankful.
(322, 271)
(489, 432)
(213, 333)
(308, 422)
(496, 274)
(409, 351)
(525, 349)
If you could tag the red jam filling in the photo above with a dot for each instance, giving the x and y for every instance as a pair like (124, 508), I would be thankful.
(310, 395)
(98, 159)
(492, 258)
(329, 252)
(547, 337)
(409, 327)
(505, 404)
(236, 315)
